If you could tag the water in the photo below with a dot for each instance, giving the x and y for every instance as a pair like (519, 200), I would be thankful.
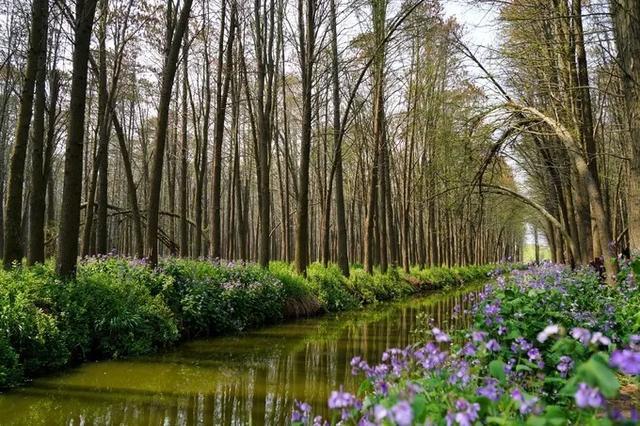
(248, 379)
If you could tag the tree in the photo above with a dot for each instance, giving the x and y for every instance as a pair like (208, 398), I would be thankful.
(174, 40)
(36, 68)
(71, 193)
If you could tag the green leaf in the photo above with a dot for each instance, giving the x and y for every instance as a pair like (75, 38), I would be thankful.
(496, 420)
(496, 369)
(365, 387)
(598, 373)
(419, 407)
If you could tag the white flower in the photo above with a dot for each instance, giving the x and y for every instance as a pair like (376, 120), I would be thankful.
(548, 331)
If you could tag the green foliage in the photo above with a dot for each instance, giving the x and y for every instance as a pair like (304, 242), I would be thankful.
(378, 287)
(330, 287)
(117, 307)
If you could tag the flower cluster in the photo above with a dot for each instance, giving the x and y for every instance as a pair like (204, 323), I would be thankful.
(541, 339)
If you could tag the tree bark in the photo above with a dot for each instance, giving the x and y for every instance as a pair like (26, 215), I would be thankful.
(72, 187)
(13, 249)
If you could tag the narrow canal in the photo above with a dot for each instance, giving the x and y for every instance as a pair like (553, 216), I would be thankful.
(248, 379)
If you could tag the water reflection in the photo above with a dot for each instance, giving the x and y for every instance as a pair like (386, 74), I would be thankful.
(251, 379)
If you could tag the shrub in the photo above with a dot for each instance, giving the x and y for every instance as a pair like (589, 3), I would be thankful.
(124, 317)
(329, 286)
(28, 320)
(300, 301)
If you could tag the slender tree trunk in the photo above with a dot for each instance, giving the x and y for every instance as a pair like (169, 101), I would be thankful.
(13, 249)
(306, 22)
(37, 200)
(341, 221)
(168, 74)
(626, 26)
(72, 188)
(222, 94)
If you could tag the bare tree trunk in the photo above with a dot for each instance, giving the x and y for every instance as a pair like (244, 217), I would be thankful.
(72, 189)
(306, 23)
(222, 94)
(626, 26)
(13, 250)
(37, 201)
(168, 74)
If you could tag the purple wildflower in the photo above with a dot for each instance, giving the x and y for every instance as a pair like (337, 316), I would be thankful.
(565, 365)
(526, 405)
(493, 345)
(627, 361)
(581, 334)
(478, 336)
(440, 336)
(341, 399)
(466, 413)
(460, 373)
(380, 413)
(599, 338)
(490, 390)
(301, 412)
(402, 414)
(587, 396)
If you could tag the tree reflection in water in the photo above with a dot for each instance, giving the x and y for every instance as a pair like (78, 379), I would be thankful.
(248, 379)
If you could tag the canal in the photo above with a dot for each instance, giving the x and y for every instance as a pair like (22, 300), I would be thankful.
(252, 378)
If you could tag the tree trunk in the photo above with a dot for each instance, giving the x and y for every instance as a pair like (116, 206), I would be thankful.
(626, 26)
(168, 74)
(13, 210)
(72, 188)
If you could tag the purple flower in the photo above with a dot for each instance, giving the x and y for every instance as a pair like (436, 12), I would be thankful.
(460, 373)
(502, 330)
(565, 365)
(587, 396)
(493, 345)
(599, 338)
(478, 336)
(534, 354)
(526, 405)
(466, 413)
(379, 413)
(581, 334)
(341, 399)
(627, 361)
(301, 412)
(548, 331)
(468, 349)
(634, 341)
(493, 309)
(490, 390)
(520, 345)
(402, 414)
(440, 336)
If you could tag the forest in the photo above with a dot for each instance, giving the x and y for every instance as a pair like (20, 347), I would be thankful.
(179, 169)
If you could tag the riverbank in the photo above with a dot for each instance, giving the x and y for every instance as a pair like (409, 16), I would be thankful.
(117, 308)
(548, 346)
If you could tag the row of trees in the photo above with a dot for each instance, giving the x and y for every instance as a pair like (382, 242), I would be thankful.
(569, 86)
(303, 131)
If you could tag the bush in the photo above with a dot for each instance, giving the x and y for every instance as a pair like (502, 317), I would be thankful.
(28, 320)
(117, 307)
(330, 287)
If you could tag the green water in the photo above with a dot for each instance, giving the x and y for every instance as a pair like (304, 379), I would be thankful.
(248, 379)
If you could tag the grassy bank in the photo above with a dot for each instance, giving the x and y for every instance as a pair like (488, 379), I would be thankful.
(548, 346)
(118, 307)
